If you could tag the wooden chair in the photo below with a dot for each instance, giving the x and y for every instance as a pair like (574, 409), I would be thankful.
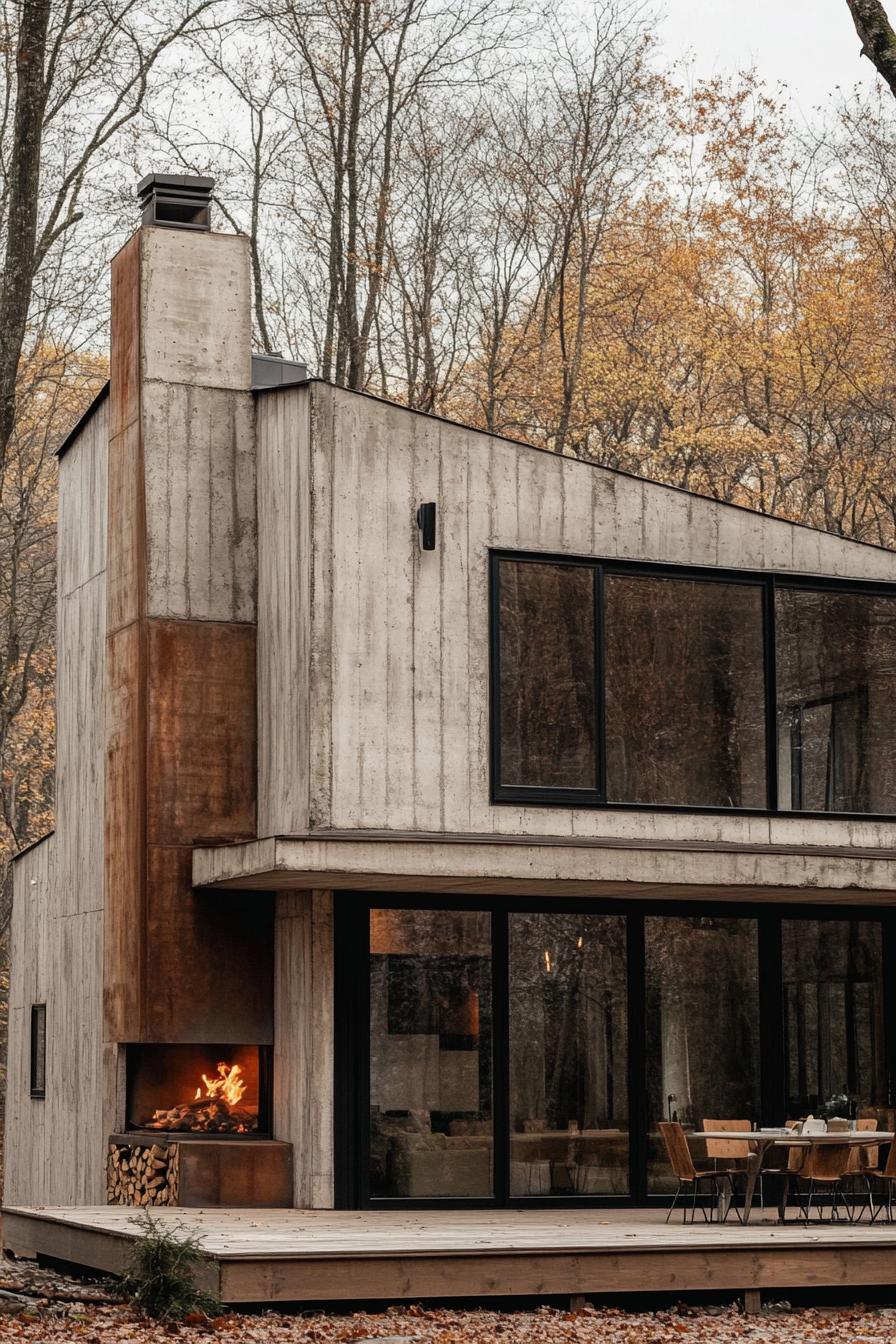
(737, 1150)
(863, 1161)
(688, 1176)
(824, 1168)
(729, 1149)
(887, 1177)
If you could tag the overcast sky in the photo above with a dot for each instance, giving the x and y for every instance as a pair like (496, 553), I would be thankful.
(809, 44)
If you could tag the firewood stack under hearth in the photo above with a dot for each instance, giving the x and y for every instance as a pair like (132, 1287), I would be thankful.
(142, 1175)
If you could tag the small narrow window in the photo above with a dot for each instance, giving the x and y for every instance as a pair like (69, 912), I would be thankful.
(38, 1049)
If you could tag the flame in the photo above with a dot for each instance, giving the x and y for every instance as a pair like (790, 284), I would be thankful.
(547, 961)
(228, 1085)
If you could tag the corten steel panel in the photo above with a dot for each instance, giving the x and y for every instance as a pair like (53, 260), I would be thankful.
(126, 543)
(230, 1174)
(124, 362)
(202, 729)
(209, 962)
(125, 834)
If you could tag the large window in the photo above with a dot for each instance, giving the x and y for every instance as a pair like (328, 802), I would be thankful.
(836, 671)
(619, 683)
(547, 672)
(501, 1051)
(685, 692)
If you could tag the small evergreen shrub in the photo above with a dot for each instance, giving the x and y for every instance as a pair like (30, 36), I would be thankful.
(161, 1274)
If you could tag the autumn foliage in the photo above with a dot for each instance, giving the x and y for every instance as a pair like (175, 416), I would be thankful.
(739, 335)
(54, 387)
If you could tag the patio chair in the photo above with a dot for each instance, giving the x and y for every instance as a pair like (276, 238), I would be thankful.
(824, 1169)
(887, 1177)
(688, 1176)
(735, 1150)
(862, 1162)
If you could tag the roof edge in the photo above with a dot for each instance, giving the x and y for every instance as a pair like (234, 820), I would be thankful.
(20, 853)
(583, 461)
(81, 422)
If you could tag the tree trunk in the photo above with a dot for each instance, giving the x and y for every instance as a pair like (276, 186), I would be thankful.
(24, 191)
(878, 37)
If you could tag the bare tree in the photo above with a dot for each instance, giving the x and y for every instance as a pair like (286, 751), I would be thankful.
(355, 74)
(77, 76)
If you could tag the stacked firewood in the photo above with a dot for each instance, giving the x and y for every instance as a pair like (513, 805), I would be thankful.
(142, 1174)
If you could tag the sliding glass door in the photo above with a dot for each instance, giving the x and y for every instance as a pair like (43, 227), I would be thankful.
(498, 1052)
(833, 1016)
(702, 1026)
(430, 1054)
(568, 1055)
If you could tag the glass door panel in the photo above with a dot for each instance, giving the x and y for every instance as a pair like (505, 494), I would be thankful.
(702, 1028)
(431, 1130)
(568, 1055)
(833, 1017)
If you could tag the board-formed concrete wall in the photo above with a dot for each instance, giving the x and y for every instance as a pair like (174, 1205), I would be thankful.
(55, 1147)
(373, 654)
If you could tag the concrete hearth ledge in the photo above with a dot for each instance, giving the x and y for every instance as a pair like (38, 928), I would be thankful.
(575, 865)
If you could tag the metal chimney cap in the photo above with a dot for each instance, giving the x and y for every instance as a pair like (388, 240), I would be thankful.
(176, 200)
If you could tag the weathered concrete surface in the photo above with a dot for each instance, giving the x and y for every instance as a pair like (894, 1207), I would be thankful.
(57, 929)
(195, 312)
(373, 655)
(551, 865)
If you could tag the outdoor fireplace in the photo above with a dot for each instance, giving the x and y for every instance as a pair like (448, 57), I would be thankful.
(196, 1091)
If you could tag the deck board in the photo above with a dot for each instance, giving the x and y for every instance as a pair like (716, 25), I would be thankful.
(316, 1256)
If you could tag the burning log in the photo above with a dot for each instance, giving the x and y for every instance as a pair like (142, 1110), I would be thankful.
(212, 1117)
(217, 1111)
(142, 1174)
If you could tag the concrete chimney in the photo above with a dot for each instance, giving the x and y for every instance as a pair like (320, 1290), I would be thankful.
(181, 583)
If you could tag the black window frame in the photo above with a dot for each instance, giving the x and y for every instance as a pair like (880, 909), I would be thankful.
(352, 1028)
(38, 1052)
(767, 581)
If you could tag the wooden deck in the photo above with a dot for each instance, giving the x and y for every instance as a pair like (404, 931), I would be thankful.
(290, 1255)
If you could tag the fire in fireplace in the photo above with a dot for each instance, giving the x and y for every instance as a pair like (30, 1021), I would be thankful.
(199, 1089)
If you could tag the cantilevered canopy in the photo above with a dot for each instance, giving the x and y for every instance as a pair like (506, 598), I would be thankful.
(560, 865)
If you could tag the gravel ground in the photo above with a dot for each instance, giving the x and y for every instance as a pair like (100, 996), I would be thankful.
(45, 1307)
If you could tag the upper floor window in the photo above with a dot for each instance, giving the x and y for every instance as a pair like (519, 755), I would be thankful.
(631, 684)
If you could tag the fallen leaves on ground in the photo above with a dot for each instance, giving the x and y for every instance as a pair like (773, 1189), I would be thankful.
(46, 1307)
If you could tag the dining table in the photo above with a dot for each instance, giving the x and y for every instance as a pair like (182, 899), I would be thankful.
(761, 1141)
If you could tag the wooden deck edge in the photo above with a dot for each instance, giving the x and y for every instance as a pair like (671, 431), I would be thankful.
(538, 1275)
(29, 1236)
(357, 1276)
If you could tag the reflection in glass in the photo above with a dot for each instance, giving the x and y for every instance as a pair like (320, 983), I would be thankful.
(685, 692)
(702, 1019)
(568, 1055)
(833, 1016)
(547, 675)
(430, 1054)
(836, 669)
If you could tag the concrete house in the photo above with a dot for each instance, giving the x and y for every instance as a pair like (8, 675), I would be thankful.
(435, 816)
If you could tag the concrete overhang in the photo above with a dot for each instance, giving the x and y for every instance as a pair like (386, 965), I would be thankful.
(555, 865)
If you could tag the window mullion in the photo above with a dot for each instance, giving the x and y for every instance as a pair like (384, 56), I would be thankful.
(771, 697)
(600, 736)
